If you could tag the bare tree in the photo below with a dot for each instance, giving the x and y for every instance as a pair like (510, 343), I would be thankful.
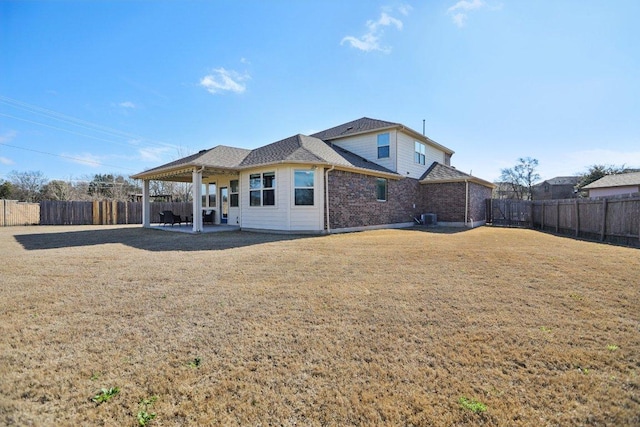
(57, 190)
(27, 186)
(521, 177)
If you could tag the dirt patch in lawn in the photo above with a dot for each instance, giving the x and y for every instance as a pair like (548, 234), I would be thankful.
(391, 327)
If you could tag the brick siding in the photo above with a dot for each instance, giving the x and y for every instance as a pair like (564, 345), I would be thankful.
(352, 200)
(447, 200)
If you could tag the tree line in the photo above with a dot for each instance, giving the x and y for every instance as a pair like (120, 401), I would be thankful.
(520, 179)
(33, 186)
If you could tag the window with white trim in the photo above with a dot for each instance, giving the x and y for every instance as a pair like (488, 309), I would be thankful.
(234, 196)
(210, 189)
(420, 154)
(262, 189)
(381, 189)
(383, 146)
(303, 183)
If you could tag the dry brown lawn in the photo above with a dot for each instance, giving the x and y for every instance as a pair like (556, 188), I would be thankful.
(387, 327)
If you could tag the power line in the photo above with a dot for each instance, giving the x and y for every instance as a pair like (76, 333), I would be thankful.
(74, 121)
(64, 130)
(65, 157)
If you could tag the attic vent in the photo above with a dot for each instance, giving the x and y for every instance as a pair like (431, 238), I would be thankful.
(347, 129)
(202, 151)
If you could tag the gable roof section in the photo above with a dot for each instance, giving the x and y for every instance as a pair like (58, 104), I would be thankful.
(307, 149)
(440, 174)
(220, 157)
(363, 125)
(368, 125)
(295, 149)
(618, 180)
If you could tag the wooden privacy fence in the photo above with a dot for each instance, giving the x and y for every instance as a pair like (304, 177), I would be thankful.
(104, 212)
(614, 219)
(13, 212)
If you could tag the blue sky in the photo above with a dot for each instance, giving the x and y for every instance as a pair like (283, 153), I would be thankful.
(92, 87)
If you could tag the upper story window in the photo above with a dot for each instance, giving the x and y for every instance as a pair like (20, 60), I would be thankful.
(381, 189)
(303, 187)
(420, 153)
(233, 195)
(383, 146)
(262, 189)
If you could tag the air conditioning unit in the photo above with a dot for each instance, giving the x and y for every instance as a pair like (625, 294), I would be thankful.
(429, 219)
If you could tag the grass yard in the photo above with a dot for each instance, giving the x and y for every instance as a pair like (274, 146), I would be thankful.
(394, 327)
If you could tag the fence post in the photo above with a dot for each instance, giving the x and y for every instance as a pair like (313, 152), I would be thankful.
(542, 217)
(577, 219)
(604, 219)
(557, 216)
(531, 215)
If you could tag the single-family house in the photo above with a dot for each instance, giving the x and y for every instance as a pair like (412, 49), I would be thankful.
(363, 174)
(615, 185)
(560, 187)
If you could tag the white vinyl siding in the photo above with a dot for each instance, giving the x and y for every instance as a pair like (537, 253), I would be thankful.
(406, 157)
(284, 215)
(367, 146)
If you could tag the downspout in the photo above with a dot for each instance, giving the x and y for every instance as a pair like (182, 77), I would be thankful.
(239, 217)
(466, 202)
(326, 194)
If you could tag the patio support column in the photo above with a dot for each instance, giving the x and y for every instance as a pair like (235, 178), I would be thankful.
(196, 193)
(146, 205)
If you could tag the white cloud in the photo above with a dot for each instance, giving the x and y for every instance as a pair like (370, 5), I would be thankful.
(459, 11)
(8, 136)
(405, 9)
(4, 138)
(5, 161)
(221, 80)
(127, 104)
(370, 41)
(153, 154)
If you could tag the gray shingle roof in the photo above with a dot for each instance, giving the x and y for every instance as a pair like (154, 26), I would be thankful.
(220, 156)
(307, 149)
(438, 172)
(618, 180)
(295, 149)
(562, 180)
(364, 124)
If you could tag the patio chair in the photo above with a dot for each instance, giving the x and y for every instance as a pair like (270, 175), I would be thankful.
(168, 217)
(209, 216)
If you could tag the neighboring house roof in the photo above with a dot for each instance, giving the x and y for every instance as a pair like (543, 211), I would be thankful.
(561, 180)
(367, 125)
(439, 173)
(617, 180)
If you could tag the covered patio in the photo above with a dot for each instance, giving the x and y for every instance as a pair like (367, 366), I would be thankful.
(214, 177)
